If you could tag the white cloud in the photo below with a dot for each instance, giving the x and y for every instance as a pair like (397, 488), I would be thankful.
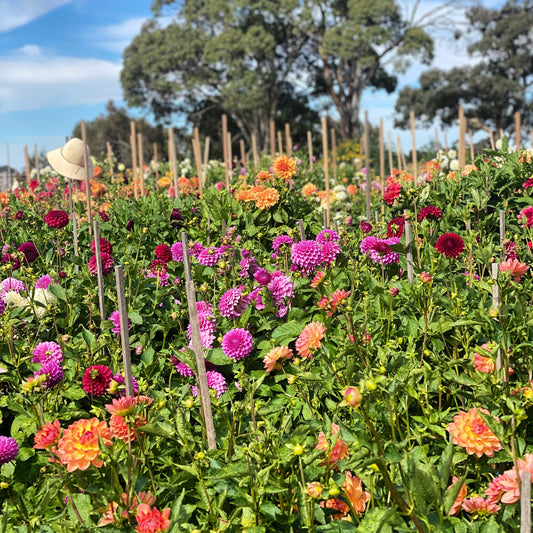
(16, 13)
(34, 80)
(116, 37)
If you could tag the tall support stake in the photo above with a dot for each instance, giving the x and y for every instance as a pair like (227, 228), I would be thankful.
(225, 148)
(288, 139)
(310, 149)
(462, 138)
(368, 186)
(413, 153)
(525, 502)
(110, 159)
(409, 245)
(203, 389)
(496, 305)
(133, 143)
(124, 332)
(517, 129)
(326, 165)
(27, 161)
(254, 151)
(141, 161)
(333, 152)
(87, 177)
(156, 162)
(173, 159)
(99, 275)
(272, 128)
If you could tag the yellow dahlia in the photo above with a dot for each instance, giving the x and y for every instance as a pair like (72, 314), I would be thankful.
(266, 198)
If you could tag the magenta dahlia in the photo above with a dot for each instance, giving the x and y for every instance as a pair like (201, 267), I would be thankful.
(306, 256)
(107, 264)
(52, 371)
(96, 380)
(29, 250)
(105, 246)
(215, 381)
(278, 242)
(380, 251)
(115, 318)
(450, 244)
(12, 260)
(209, 256)
(366, 227)
(262, 276)
(232, 304)
(329, 252)
(56, 219)
(177, 251)
(237, 343)
(9, 449)
(47, 351)
(43, 282)
(327, 235)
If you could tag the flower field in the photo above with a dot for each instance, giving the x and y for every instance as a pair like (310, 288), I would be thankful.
(370, 375)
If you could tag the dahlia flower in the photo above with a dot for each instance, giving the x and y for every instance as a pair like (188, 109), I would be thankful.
(9, 449)
(237, 343)
(310, 339)
(450, 244)
(56, 219)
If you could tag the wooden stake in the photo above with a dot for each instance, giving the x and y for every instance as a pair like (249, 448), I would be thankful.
(243, 155)
(230, 156)
(496, 305)
(156, 162)
(381, 153)
(399, 153)
(141, 161)
(206, 159)
(409, 246)
(326, 164)
(302, 229)
(525, 502)
(74, 223)
(333, 152)
(389, 147)
(133, 144)
(87, 177)
(517, 129)
(203, 389)
(288, 139)
(272, 126)
(110, 159)
(254, 151)
(280, 143)
(198, 158)
(491, 138)
(10, 184)
(124, 331)
(37, 170)
(99, 275)
(368, 186)
(413, 153)
(225, 148)
(310, 148)
(471, 141)
(27, 161)
(462, 138)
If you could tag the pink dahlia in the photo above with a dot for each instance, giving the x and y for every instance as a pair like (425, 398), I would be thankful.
(47, 351)
(215, 381)
(52, 371)
(306, 256)
(450, 244)
(163, 252)
(327, 235)
(115, 318)
(526, 216)
(56, 219)
(209, 256)
(29, 250)
(105, 246)
(107, 264)
(232, 304)
(329, 252)
(237, 343)
(379, 250)
(177, 251)
(43, 282)
(96, 380)
(278, 242)
(12, 284)
(9, 449)
(479, 506)
(262, 276)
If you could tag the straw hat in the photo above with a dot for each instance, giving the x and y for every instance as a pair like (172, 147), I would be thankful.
(68, 160)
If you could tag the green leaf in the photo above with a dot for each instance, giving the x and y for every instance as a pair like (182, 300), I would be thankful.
(135, 317)
(88, 337)
(287, 332)
(58, 291)
(451, 494)
(445, 463)
(158, 428)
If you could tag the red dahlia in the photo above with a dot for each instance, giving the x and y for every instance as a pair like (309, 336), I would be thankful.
(429, 211)
(96, 380)
(105, 246)
(450, 244)
(56, 218)
(162, 251)
(395, 227)
(107, 264)
(29, 250)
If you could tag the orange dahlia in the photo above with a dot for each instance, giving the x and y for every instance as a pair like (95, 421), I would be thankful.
(274, 358)
(353, 490)
(456, 507)
(340, 449)
(309, 340)
(309, 189)
(4, 199)
(266, 198)
(262, 176)
(284, 167)
(151, 520)
(47, 436)
(470, 431)
(79, 447)
(164, 181)
(121, 427)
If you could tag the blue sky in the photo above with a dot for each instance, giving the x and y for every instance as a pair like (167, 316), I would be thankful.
(60, 62)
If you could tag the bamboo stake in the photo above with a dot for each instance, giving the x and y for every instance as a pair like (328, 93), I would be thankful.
(302, 229)
(525, 502)
(27, 160)
(389, 147)
(326, 165)
(280, 143)
(471, 141)
(110, 159)
(381, 152)
(133, 143)
(124, 331)
(243, 155)
(141, 161)
(334, 152)
(87, 177)
(462, 138)
(399, 154)
(99, 274)
(517, 129)
(496, 305)
(413, 153)
(225, 148)
(288, 139)
(310, 149)
(74, 223)
(272, 140)
(198, 158)
(37, 170)
(254, 151)
(174, 163)
(203, 389)
(491, 138)
(206, 158)
(156, 162)
(230, 156)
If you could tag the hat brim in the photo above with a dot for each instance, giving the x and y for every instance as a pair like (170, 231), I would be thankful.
(69, 170)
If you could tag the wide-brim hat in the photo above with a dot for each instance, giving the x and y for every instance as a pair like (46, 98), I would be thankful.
(68, 160)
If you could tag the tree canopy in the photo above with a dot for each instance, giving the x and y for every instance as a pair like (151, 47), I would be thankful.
(493, 89)
(256, 59)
